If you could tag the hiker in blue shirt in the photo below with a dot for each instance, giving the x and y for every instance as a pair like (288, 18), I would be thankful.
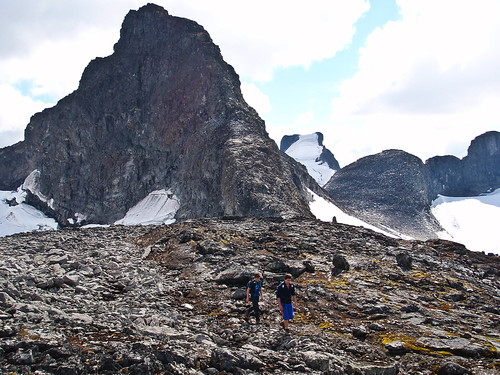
(254, 291)
(285, 294)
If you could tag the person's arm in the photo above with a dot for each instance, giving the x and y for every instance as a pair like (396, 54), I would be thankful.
(248, 294)
(294, 299)
(278, 298)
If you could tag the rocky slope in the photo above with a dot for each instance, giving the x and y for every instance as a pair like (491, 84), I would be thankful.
(163, 112)
(395, 189)
(169, 299)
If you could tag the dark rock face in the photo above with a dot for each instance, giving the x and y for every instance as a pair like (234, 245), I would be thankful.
(387, 189)
(477, 173)
(326, 155)
(445, 174)
(154, 300)
(287, 141)
(164, 111)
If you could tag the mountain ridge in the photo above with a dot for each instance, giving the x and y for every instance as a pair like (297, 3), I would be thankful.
(395, 189)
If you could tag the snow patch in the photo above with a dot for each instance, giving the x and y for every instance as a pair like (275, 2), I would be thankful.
(79, 218)
(17, 216)
(325, 211)
(32, 183)
(306, 150)
(159, 207)
(472, 221)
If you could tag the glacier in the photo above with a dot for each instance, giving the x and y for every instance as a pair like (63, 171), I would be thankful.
(472, 221)
(159, 207)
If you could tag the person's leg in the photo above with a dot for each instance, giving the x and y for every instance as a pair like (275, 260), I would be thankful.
(256, 310)
(287, 315)
(248, 312)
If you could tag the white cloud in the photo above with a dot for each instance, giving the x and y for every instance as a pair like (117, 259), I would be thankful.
(427, 82)
(15, 114)
(258, 36)
(305, 118)
(256, 98)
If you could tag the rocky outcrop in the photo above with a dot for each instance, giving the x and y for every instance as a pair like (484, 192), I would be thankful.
(389, 189)
(169, 299)
(164, 111)
(476, 173)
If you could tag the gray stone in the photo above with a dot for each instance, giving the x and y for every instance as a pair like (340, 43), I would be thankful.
(6, 300)
(318, 361)
(451, 368)
(396, 347)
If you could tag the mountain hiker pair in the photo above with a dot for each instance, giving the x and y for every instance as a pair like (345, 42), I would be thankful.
(285, 296)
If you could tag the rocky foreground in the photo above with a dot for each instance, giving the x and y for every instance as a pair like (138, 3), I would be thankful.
(170, 299)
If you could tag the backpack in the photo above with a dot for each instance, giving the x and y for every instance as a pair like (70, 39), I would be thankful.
(255, 288)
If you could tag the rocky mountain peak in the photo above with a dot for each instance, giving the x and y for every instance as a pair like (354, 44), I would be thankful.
(388, 189)
(395, 189)
(164, 112)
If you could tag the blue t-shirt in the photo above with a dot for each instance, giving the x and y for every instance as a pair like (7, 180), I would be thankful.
(285, 294)
(255, 287)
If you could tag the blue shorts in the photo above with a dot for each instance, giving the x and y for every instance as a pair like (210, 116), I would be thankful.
(287, 311)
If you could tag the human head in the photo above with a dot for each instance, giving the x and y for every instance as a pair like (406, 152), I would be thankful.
(288, 279)
(257, 275)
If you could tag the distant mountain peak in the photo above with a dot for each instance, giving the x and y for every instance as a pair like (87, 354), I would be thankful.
(309, 150)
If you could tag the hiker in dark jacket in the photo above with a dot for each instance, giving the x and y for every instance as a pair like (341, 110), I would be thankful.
(254, 291)
(285, 295)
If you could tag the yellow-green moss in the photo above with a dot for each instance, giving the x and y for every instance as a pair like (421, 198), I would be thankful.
(410, 343)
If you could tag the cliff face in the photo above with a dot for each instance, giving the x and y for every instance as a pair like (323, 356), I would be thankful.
(164, 111)
(477, 173)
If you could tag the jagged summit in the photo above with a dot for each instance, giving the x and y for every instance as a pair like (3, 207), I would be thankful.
(164, 112)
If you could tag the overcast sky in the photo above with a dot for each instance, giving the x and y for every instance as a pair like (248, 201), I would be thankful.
(418, 75)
